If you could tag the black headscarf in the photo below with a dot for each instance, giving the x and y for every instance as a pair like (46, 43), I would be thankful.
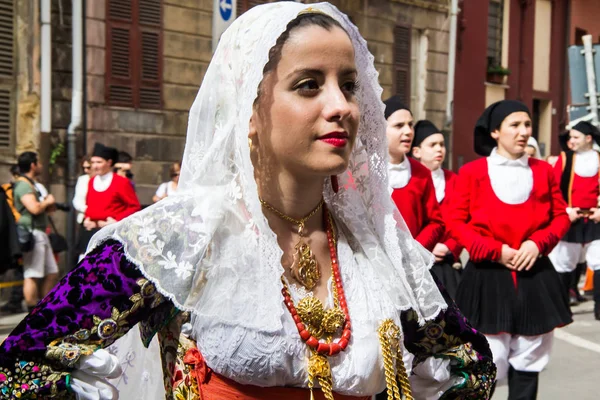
(584, 127)
(424, 129)
(394, 104)
(108, 153)
(490, 120)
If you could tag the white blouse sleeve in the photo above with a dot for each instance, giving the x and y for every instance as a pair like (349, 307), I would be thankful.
(162, 190)
(79, 199)
(89, 380)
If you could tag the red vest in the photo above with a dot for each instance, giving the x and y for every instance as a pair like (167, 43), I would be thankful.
(419, 207)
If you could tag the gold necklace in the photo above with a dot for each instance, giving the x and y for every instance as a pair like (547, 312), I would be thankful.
(308, 273)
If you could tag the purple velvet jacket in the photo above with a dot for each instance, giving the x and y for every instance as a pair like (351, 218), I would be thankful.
(105, 295)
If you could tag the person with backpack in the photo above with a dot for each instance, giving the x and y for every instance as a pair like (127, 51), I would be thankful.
(40, 270)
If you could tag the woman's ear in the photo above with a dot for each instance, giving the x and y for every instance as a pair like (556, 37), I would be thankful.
(495, 134)
(416, 152)
(253, 128)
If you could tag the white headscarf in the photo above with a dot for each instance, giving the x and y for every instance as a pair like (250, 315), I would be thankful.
(209, 248)
(533, 143)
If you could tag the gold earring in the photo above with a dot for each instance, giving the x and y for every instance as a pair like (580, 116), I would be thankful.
(249, 143)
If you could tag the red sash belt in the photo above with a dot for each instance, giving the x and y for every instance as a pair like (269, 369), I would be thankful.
(213, 386)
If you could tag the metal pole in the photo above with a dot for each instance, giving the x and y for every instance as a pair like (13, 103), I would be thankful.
(76, 103)
(46, 67)
(451, 60)
(588, 52)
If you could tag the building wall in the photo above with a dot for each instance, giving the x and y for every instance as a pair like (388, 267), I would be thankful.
(472, 92)
(155, 138)
(430, 24)
(585, 14)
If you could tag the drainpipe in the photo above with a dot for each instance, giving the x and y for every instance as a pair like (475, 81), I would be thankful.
(451, 61)
(76, 107)
(46, 67)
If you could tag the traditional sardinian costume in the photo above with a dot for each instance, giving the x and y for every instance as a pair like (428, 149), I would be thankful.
(108, 196)
(414, 194)
(501, 201)
(579, 176)
(447, 271)
(202, 270)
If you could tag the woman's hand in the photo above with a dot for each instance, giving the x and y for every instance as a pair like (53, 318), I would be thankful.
(440, 251)
(506, 258)
(574, 214)
(526, 256)
(595, 215)
(88, 224)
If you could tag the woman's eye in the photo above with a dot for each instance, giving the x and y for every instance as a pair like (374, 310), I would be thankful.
(350, 87)
(306, 85)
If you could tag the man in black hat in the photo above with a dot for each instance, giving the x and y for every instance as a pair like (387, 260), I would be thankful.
(411, 183)
(110, 197)
(578, 171)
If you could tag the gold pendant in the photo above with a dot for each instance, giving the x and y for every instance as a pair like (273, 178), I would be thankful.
(308, 269)
(319, 369)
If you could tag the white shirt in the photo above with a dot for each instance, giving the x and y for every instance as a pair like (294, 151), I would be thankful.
(102, 182)
(165, 188)
(512, 180)
(586, 163)
(42, 189)
(439, 183)
(79, 199)
(399, 174)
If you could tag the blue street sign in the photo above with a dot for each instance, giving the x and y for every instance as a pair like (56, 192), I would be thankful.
(226, 9)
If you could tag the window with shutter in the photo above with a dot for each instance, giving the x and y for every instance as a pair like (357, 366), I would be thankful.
(7, 77)
(495, 19)
(134, 53)
(402, 61)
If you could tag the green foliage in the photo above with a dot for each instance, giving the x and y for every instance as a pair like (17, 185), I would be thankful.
(498, 70)
(56, 152)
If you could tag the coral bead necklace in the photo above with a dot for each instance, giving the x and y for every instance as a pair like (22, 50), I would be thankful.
(314, 323)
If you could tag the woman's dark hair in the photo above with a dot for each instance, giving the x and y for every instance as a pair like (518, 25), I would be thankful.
(307, 19)
(25, 160)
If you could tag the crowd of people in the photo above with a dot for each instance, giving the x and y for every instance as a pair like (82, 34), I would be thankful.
(104, 194)
(294, 263)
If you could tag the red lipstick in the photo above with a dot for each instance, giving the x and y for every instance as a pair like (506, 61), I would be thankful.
(336, 139)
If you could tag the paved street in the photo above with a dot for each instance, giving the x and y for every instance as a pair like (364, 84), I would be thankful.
(573, 373)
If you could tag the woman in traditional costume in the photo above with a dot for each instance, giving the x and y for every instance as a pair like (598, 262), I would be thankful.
(429, 147)
(509, 214)
(282, 270)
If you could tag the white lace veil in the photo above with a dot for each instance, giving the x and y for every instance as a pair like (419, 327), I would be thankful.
(211, 241)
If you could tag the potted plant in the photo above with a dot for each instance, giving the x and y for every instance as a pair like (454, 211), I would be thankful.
(496, 74)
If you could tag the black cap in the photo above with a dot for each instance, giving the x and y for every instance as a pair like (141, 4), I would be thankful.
(108, 153)
(584, 127)
(424, 129)
(490, 120)
(394, 104)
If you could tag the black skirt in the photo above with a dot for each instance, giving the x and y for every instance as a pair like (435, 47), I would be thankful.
(84, 239)
(448, 276)
(583, 230)
(488, 297)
